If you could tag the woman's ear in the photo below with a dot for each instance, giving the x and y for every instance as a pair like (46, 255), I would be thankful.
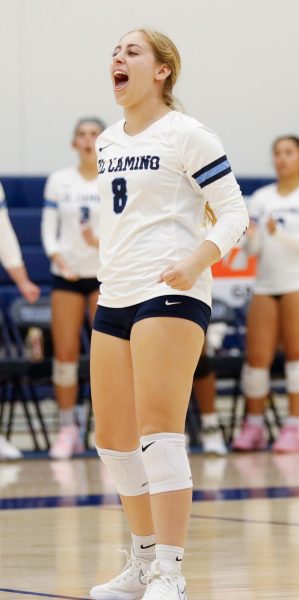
(162, 72)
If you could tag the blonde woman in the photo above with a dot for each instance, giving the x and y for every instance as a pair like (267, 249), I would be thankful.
(157, 168)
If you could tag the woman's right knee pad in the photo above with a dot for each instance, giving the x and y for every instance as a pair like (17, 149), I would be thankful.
(255, 381)
(127, 471)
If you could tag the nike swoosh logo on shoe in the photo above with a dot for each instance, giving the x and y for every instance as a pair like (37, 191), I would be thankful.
(144, 547)
(182, 593)
(170, 303)
(141, 575)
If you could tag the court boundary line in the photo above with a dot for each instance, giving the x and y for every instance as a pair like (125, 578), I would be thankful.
(110, 500)
(41, 594)
(245, 521)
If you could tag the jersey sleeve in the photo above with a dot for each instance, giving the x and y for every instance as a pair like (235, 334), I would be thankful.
(10, 252)
(50, 217)
(209, 172)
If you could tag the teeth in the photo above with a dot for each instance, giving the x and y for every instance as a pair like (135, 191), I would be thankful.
(119, 73)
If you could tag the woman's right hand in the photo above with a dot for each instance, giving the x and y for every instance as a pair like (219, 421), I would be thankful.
(65, 270)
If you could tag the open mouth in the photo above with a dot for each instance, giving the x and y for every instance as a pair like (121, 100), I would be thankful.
(120, 80)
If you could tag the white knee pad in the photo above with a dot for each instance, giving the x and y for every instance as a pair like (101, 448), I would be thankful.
(292, 376)
(166, 462)
(255, 381)
(127, 471)
(65, 373)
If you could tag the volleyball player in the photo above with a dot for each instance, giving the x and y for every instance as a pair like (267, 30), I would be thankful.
(273, 313)
(11, 259)
(157, 169)
(70, 223)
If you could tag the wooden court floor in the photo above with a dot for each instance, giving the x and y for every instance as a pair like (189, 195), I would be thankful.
(61, 527)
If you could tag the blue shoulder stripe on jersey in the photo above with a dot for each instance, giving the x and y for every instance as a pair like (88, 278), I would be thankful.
(215, 170)
(3, 204)
(50, 204)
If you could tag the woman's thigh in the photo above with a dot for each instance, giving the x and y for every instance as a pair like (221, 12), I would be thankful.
(262, 330)
(68, 312)
(289, 318)
(112, 391)
(165, 352)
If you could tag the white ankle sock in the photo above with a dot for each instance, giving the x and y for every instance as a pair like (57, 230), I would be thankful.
(66, 417)
(209, 420)
(255, 419)
(144, 546)
(173, 555)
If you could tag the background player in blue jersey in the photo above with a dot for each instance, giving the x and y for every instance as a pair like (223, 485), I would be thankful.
(157, 170)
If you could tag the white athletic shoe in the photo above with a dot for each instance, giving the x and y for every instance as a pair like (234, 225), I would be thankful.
(165, 583)
(8, 451)
(212, 441)
(129, 585)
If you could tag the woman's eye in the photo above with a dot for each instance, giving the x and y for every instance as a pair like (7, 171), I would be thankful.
(132, 53)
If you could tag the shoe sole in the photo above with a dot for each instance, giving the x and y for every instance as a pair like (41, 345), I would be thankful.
(104, 596)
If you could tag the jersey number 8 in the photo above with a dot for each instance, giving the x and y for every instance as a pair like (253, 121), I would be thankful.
(120, 197)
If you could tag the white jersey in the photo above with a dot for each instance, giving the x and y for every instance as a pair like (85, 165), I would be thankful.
(10, 253)
(153, 188)
(70, 199)
(278, 254)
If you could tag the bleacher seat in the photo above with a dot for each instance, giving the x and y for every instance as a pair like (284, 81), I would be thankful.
(27, 225)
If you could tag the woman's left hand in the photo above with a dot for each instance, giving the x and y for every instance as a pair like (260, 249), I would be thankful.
(271, 226)
(182, 275)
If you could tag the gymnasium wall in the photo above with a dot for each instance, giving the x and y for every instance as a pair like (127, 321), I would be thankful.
(240, 72)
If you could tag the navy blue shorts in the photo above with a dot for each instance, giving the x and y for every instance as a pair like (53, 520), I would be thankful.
(84, 286)
(119, 321)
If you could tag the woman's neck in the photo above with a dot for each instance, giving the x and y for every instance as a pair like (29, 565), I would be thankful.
(88, 169)
(287, 185)
(142, 116)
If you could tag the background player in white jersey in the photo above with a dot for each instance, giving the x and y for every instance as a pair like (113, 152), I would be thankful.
(273, 313)
(157, 168)
(70, 224)
(11, 259)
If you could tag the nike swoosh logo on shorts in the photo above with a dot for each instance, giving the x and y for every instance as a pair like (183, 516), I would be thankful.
(170, 303)
(147, 446)
(104, 147)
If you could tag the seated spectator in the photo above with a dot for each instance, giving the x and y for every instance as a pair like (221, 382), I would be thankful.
(11, 259)
(204, 391)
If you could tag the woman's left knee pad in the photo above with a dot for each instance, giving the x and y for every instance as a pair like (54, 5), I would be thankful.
(166, 462)
(292, 376)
